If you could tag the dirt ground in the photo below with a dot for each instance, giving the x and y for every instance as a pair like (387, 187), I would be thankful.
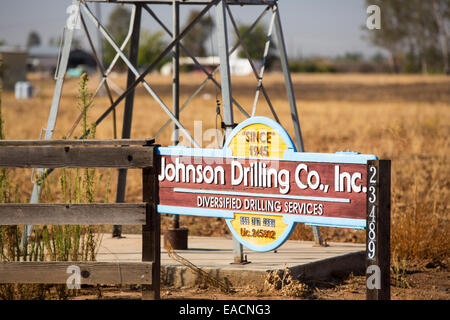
(404, 120)
(425, 280)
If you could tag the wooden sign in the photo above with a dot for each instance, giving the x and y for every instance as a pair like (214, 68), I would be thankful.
(262, 186)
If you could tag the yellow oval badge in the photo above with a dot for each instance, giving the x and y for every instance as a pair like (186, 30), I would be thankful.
(259, 138)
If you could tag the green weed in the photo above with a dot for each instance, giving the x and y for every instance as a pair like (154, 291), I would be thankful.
(53, 243)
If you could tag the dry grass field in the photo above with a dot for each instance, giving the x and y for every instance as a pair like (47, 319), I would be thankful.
(402, 118)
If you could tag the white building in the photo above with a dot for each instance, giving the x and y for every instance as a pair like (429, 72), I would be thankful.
(238, 66)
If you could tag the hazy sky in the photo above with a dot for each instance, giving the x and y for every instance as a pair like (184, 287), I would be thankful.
(324, 27)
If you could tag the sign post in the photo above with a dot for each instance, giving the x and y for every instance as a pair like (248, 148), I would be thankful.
(378, 230)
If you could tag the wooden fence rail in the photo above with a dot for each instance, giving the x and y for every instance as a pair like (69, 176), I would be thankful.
(61, 214)
(82, 142)
(76, 154)
(90, 272)
(76, 157)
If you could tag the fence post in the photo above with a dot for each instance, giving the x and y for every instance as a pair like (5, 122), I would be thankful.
(151, 231)
(378, 250)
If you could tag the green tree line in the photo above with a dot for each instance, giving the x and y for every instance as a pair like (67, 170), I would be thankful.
(415, 33)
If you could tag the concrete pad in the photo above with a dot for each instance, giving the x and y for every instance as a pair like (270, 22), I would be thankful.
(214, 256)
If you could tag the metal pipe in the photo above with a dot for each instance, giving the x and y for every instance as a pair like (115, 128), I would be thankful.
(98, 60)
(261, 72)
(176, 83)
(51, 122)
(222, 38)
(128, 110)
(244, 48)
(176, 69)
(287, 79)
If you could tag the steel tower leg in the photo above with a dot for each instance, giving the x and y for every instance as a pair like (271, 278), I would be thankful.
(51, 122)
(128, 111)
(222, 38)
(291, 97)
(176, 84)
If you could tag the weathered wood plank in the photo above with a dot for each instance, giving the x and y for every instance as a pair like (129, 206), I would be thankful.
(86, 272)
(61, 214)
(151, 232)
(76, 157)
(80, 142)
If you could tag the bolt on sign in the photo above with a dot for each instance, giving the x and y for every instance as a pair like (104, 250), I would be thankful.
(262, 186)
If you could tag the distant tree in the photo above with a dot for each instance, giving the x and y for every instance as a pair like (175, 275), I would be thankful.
(118, 22)
(392, 32)
(414, 31)
(351, 57)
(33, 40)
(118, 25)
(422, 32)
(151, 46)
(441, 14)
(378, 57)
(196, 39)
(255, 43)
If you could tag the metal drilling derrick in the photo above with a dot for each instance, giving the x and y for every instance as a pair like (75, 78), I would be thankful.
(223, 16)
